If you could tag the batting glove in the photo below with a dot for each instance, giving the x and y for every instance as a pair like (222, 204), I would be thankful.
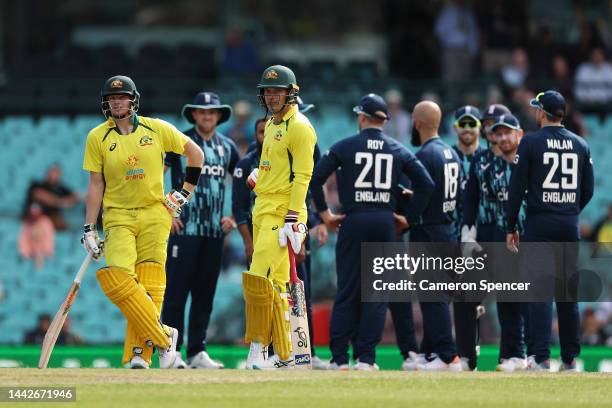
(175, 200)
(252, 179)
(468, 238)
(91, 241)
(294, 232)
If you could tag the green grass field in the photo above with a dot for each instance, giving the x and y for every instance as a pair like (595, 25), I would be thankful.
(233, 388)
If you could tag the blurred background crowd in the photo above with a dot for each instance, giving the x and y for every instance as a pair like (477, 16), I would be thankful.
(55, 55)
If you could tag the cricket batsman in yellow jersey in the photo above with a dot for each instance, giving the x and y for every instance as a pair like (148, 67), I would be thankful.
(125, 158)
(279, 216)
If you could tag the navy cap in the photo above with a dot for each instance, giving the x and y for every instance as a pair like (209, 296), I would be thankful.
(207, 100)
(373, 106)
(467, 111)
(495, 110)
(303, 107)
(507, 120)
(551, 102)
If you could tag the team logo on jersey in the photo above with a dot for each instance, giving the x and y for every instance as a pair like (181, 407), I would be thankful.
(278, 135)
(145, 141)
(117, 83)
(265, 165)
(271, 74)
(112, 147)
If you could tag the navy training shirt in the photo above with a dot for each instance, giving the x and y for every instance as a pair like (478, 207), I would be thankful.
(444, 166)
(368, 166)
(478, 203)
(202, 216)
(554, 167)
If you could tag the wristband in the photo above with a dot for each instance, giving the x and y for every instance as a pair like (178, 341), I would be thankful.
(192, 175)
(89, 227)
(291, 218)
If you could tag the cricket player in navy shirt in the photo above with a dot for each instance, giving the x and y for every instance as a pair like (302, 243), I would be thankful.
(437, 224)
(195, 247)
(553, 168)
(367, 167)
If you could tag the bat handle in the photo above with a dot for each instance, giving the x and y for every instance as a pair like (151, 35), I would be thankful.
(292, 270)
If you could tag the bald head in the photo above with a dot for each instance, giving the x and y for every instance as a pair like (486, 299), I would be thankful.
(429, 114)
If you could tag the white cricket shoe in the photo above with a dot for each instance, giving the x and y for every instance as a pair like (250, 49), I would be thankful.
(359, 366)
(335, 367)
(438, 365)
(318, 364)
(203, 360)
(532, 365)
(512, 364)
(179, 363)
(414, 359)
(273, 363)
(138, 362)
(167, 357)
(258, 353)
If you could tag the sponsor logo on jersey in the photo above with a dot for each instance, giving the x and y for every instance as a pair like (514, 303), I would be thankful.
(132, 160)
(134, 173)
(516, 159)
(112, 147)
(278, 136)
(265, 165)
(145, 141)
(238, 172)
(214, 170)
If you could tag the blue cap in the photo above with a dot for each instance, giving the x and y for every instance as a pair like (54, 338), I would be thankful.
(373, 106)
(508, 120)
(207, 100)
(303, 107)
(495, 110)
(467, 111)
(551, 102)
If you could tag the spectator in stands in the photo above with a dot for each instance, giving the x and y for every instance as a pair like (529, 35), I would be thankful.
(516, 73)
(593, 89)
(562, 80)
(239, 56)
(36, 335)
(52, 196)
(67, 336)
(37, 236)
(573, 119)
(399, 124)
(457, 31)
(597, 325)
(541, 51)
(522, 110)
(240, 128)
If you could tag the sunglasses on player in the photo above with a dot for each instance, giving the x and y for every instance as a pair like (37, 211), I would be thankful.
(467, 124)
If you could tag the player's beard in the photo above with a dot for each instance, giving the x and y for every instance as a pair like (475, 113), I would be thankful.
(415, 137)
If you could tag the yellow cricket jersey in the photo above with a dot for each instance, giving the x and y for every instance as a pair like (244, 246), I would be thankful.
(286, 164)
(132, 164)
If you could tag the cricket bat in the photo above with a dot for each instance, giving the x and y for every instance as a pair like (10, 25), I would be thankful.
(300, 337)
(60, 317)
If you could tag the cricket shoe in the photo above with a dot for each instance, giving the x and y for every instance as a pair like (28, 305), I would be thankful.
(512, 364)
(413, 359)
(338, 367)
(258, 353)
(138, 362)
(568, 368)
(167, 357)
(273, 363)
(438, 365)
(360, 366)
(179, 363)
(203, 360)
(318, 364)
(532, 365)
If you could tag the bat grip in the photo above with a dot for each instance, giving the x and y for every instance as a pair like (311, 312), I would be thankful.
(292, 271)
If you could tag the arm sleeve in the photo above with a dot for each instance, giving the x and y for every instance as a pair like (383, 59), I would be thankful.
(93, 155)
(301, 148)
(587, 185)
(241, 195)
(422, 184)
(234, 156)
(471, 197)
(518, 184)
(325, 167)
(172, 139)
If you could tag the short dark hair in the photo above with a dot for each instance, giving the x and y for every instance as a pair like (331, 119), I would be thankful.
(258, 121)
